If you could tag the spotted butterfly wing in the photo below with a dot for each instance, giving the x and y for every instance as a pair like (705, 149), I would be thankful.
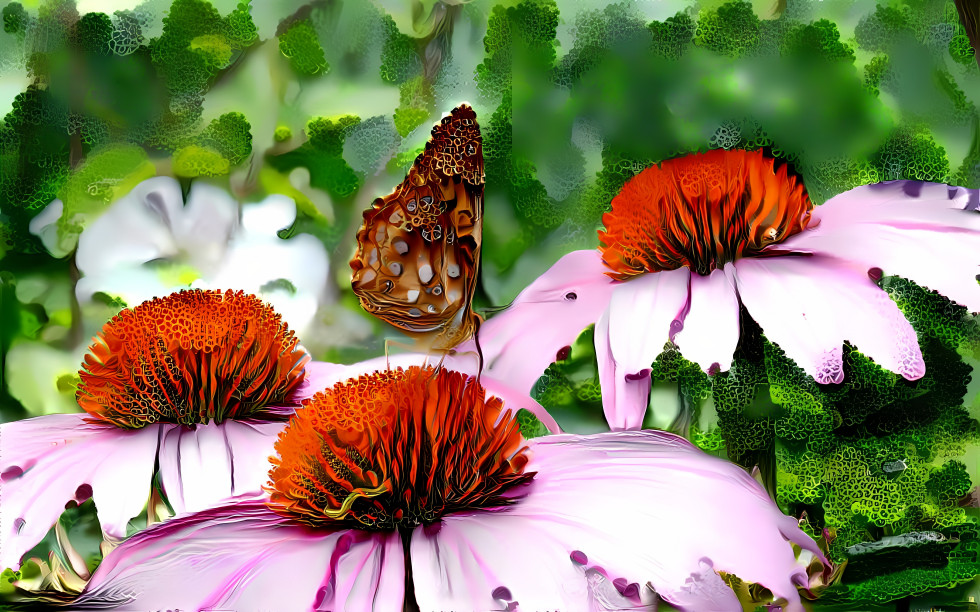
(418, 251)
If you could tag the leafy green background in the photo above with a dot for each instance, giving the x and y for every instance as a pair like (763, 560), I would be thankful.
(329, 102)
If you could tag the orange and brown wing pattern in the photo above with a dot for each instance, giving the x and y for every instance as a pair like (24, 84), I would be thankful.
(418, 251)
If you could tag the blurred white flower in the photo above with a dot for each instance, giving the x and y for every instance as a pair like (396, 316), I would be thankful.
(149, 244)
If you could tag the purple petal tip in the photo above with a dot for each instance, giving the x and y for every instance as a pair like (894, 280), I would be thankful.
(10, 473)
(501, 592)
(645, 372)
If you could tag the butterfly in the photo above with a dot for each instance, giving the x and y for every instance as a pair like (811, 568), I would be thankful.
(418, 251)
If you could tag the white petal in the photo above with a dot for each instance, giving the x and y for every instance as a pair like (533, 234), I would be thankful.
(197, 466)
(267, 217)
(136, 229)
(916, 230)
(206, 225)
(643, 314)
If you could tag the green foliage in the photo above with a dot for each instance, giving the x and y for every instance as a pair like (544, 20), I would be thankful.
(230, 136)
(300, 44)
(671, 366)
(732, 29)
(874, 71)
(818, 39)
(15, 18)
(194, 160)
(530, 426)
(961, 50)
(523, 35)
(399, 59)
(34, 156)
(887, 26)
(569, 388)
(323, 154)
(673, 36)
(240, 27)
(968, 174)
(911, 153)
(416, 100)
(93, 34)
(196, 44)
(600, 33)
(107, 174)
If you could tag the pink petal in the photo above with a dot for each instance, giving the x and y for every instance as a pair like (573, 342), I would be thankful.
(643, 506)
(246, 557)
(517, 344)
(514, 400)
(624, 400)
(373, 571)
(927, 239)
(810, 305)
(485, 560)
(710, 332)
(902, 204)
(319, 376)
(250, 445)
(50, 460)
(643, 314)
(204, 465)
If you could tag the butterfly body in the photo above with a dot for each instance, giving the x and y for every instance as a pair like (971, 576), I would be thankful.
(418, 250)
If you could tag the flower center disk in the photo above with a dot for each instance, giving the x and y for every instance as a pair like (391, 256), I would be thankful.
(397, 448)
(191, 358)
(701, 211)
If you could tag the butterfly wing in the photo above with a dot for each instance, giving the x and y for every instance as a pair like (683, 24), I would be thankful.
(418, 251)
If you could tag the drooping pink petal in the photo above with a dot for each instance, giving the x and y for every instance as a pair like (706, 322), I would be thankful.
(643, 314)
(642, 506)
(245, 557)
(624, 399)
(520, 342)
(810, 305)
(927, 238)
(47, 461)
(204, 465)
(515, 400)
(710, 330)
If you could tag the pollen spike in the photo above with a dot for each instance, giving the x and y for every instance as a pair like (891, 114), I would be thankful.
(701, 211)
(397, 448)
(190, 358)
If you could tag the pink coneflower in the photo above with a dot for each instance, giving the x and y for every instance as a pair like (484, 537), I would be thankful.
(690, 242)
(194, 387)
(411, 489)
